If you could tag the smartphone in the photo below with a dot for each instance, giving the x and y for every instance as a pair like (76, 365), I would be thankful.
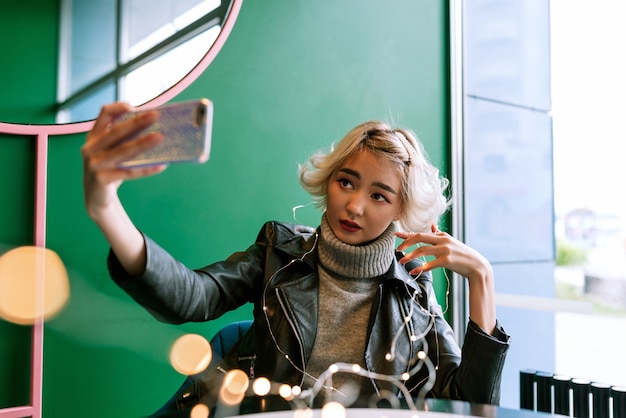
(186, 128)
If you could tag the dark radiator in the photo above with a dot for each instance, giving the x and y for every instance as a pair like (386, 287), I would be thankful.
(564, 395)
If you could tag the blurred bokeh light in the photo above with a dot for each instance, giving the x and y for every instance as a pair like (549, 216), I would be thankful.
(34, 285)
(190, 354)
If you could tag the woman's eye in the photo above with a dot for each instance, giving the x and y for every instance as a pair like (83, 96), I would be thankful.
(345, 183)
(379, 197)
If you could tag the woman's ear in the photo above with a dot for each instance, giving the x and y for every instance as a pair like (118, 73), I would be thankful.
(398, 216)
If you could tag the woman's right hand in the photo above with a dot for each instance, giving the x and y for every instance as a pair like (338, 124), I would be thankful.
(106, 147)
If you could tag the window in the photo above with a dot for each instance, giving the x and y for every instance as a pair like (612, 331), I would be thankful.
(506, 171)
(589, 104)
(129, 50)
(541, 107)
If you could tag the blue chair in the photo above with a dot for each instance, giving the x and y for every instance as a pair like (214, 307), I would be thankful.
(186, 396)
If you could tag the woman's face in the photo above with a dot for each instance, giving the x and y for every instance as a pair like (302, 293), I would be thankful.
(363, 198)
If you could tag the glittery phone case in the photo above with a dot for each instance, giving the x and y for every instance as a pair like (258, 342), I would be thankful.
(186, 127)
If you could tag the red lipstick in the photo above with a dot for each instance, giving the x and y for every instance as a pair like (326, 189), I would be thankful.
(349, 226)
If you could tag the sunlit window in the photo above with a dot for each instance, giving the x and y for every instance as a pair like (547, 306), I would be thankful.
(543, 104)
(589, 92)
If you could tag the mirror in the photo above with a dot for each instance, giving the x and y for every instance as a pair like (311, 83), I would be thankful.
(81, 54)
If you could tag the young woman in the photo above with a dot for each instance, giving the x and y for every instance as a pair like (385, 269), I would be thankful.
(340, 294)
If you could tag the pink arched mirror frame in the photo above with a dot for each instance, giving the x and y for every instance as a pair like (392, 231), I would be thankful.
(42, 134)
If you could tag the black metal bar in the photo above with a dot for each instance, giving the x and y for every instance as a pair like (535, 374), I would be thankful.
(601, 398)
(562, 386)
(580, 396)
(527, 389)
(544, 391)
(618, 393)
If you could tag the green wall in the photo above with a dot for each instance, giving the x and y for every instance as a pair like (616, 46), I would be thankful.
(294, 76)
(16, 229)
(28, 32)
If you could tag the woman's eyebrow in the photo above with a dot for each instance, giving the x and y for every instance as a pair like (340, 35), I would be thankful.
(376, 183)
(384, 187)
(351, 172)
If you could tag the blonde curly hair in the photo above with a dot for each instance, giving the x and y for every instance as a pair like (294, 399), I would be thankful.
(423, 190)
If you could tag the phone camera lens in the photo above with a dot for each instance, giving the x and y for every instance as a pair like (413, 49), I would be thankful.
(201, 115)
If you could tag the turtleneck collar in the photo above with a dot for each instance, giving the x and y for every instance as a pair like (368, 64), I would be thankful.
(356, 261)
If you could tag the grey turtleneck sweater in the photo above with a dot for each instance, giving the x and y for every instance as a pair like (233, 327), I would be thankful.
(349, 278)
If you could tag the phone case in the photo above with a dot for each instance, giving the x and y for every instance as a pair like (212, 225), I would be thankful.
(186, 127)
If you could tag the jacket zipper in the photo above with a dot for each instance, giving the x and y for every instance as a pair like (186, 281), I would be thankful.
(295, 331)
(409, 329)
(252, 359)
(372, 319)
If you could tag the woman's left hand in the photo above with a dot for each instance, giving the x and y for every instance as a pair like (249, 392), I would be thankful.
(448, 252)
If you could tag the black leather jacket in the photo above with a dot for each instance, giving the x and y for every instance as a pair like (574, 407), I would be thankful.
(278, 274)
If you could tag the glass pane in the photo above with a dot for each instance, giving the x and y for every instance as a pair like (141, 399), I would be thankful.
(148, 81)
(92, 35)
(88, 107)
(507, 41)
(588, 91)
(507, 173)
(508, 184)
(149, 23)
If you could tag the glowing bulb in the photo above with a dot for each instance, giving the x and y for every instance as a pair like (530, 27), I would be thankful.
(33, 285)
(356, 368)
(285, 391)
(236, 381)
(421, 355)
(190, 354)
(405, 376)
(413, 338)
(333, 410)
(199, 411)
(333, 368)
(388, 357)
(261, 386)
(407, 319)
(296, 390)
(234, 387)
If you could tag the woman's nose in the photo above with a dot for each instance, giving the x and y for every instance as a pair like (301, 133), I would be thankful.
(355, 205)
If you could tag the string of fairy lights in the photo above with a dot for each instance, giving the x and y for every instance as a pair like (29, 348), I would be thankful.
(236, 384)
